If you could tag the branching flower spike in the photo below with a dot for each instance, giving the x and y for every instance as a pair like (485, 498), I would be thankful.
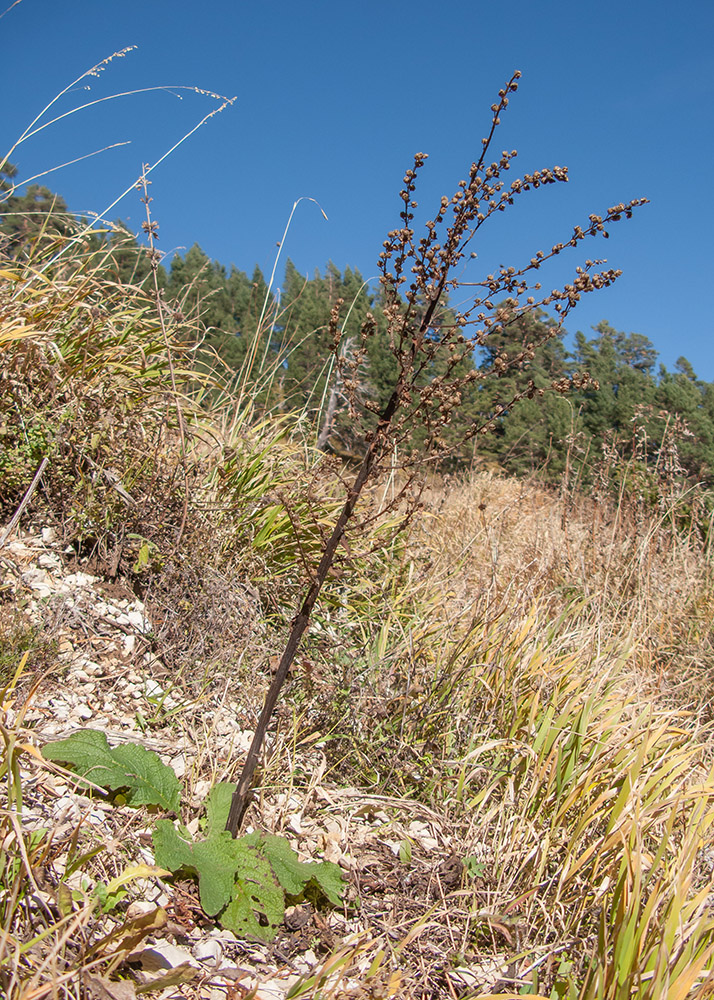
(433, 348)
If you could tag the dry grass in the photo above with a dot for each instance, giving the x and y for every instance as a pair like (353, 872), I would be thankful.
(538, 680)
(502, 543)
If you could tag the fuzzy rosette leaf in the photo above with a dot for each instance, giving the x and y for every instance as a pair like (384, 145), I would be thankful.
(257, 906)
(214, 861)
(148, 781)
(244, 882)
(297, 876)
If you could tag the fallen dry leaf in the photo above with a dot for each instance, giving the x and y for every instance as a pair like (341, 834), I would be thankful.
(101, 988)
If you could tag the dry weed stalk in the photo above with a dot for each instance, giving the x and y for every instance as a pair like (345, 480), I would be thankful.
(432, 352)
(151, 228)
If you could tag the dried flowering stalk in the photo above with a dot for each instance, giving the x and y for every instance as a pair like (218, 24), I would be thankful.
(432, 348)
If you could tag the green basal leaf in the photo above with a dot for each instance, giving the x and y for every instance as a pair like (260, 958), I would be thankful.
(295, 875)
(218, 804)
(244, 881)
(258, 905)
(148, 781)
(214, 861)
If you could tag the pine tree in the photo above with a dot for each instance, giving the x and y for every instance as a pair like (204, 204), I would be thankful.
(690, 403)
(311, 379)
(622, 366)
(530, 350)
(24, 217)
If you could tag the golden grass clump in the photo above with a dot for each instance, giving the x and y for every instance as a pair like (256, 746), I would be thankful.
(511, 673)
(84, 385)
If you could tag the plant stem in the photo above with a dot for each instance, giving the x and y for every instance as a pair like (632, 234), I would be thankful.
(300, 622)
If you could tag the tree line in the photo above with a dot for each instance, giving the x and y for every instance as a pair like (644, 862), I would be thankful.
(653, 426)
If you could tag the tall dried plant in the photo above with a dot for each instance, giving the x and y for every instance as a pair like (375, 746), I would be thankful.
(416, 276)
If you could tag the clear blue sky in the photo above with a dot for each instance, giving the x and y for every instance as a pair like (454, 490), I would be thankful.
(333, 99)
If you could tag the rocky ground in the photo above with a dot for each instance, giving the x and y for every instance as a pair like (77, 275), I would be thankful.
(409, 899)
